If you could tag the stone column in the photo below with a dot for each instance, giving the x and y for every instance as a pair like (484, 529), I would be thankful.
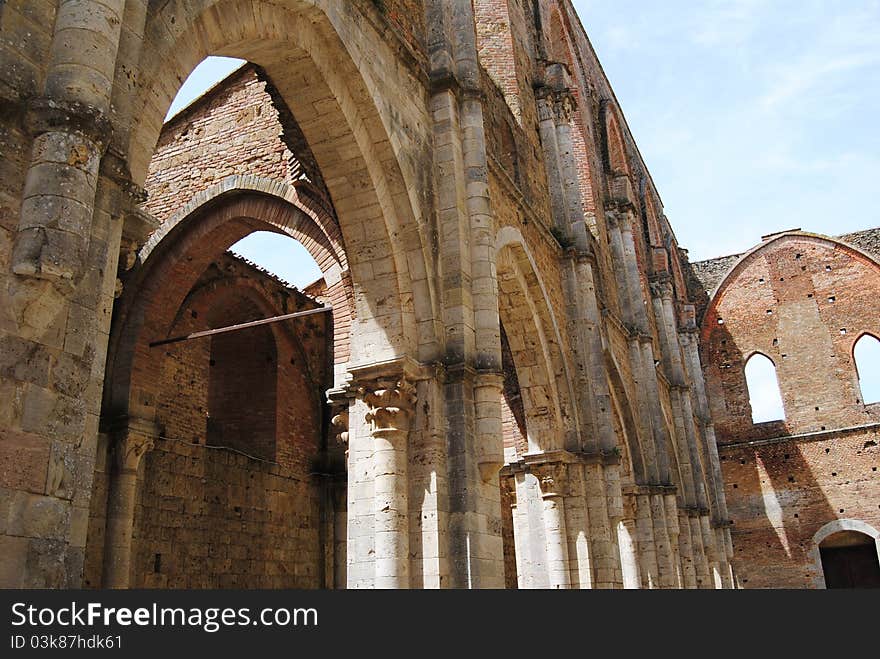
(670, 503)
(601, 508)
(71, 132)
(701, 562)
(552, 478)
(133, 441)
(636, 329)
(627, 535)
(646, 542)
(391, 404)
(466, 234)
(665, 565)
(339, 534)
(577, 525)
(686, 551)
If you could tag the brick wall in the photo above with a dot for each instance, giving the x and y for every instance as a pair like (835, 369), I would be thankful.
(803, 301)
(237, 508)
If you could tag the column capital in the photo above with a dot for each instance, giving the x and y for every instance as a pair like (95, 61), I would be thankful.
(129, 449)
(553, 478)
(564, 105)
(544, 100)
(661, 286)
(391, 402)
(340, 424)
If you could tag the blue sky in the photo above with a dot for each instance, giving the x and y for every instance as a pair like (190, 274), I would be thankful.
(753, 115)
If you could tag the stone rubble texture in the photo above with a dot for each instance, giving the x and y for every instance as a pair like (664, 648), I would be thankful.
(509, 391)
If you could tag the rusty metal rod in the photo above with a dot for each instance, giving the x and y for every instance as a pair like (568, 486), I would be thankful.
(240, 326)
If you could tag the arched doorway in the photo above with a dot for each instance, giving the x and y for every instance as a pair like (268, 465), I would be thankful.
(847, 554)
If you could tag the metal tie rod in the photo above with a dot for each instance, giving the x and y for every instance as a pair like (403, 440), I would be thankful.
(240, 326)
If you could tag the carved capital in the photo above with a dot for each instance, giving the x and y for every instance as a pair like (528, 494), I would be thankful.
(545, 108)
(661, 287)
(564, 105)
(553, 478)
(391, 402)
(129, 449)
(340, 424)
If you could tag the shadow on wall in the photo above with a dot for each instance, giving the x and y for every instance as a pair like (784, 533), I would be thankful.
(776, 504)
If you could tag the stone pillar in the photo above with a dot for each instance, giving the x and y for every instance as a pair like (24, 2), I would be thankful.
(577, 525)
(602, 509)
(666, 574)
(133, 441)
(686, 551)
(391, 404)
(628, 544)
(71, 132)
(552, 478)
(688, 340)
(466, 233)
(339, 535)
(646, 542)
(670, 503)
(701, 563)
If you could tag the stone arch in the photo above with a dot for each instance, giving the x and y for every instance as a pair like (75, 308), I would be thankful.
(829, 529)
(327, 71)
(535, 345)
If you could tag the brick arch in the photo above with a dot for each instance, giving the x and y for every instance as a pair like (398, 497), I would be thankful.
(535, 346)
(329, 71)
(288, 210)
(321, 237)
(819, 285)
(615, 149)
(173, 265)
(750, 256)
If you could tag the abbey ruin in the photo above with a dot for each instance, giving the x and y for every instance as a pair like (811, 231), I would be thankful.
(509, 373)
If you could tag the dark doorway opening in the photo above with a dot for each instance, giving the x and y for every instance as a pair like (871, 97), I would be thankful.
(849, 560)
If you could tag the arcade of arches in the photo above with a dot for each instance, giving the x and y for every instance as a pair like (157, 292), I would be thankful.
(500, 380)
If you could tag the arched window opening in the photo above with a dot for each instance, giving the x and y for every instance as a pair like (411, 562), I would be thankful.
(866, 354)
(849, 560)
(765, 398)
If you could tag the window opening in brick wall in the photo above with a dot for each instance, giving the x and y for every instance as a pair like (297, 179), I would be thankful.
(765, 398)
(866, 354)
